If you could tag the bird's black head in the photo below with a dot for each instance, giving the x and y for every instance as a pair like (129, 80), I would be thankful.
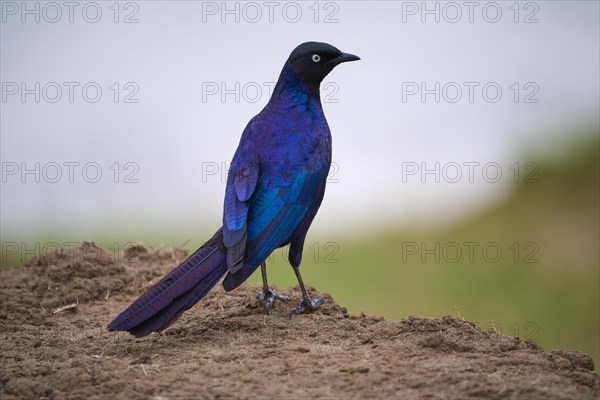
(312, 61)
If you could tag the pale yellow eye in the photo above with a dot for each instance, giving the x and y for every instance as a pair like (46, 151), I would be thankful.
(316, 58)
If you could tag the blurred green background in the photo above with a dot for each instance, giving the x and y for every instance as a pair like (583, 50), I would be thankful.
(544, 285)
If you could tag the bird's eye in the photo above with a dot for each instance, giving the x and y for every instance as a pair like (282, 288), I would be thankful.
(316, 58)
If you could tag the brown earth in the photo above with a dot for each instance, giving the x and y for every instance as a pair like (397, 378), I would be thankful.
(226, 347)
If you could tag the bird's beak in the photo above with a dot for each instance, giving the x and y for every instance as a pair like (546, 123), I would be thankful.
(344, 57)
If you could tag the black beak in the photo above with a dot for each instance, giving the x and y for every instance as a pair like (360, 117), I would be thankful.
(343, 57)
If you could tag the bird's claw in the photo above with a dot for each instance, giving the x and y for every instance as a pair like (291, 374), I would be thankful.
(307, 305)
(268, 297)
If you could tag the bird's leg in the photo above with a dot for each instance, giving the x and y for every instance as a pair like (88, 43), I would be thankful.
(305, 303)
(267, 295)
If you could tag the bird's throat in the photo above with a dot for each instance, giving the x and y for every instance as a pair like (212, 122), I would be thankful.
(290, 89)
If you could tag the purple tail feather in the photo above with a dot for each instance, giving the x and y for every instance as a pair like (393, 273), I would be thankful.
(179, 290)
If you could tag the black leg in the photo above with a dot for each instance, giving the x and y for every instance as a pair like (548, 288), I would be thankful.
(267, 295)
(305, 303)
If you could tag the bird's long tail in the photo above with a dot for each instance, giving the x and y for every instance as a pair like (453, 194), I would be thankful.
(179, 290)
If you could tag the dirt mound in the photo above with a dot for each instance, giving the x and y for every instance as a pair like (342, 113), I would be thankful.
(226, 347)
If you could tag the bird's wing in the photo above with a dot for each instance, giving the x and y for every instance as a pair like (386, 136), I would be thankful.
(275, 213)
(241, 182)
(242, 179)
(273, 216)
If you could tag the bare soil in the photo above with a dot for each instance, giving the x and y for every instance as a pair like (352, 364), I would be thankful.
(226, 347)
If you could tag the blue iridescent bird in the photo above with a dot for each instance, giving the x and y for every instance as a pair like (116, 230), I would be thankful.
(275, 186)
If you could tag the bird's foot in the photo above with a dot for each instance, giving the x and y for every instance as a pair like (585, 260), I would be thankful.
(307, 305)
(268, 296)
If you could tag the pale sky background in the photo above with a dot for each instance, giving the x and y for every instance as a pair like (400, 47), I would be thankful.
(172, 132)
